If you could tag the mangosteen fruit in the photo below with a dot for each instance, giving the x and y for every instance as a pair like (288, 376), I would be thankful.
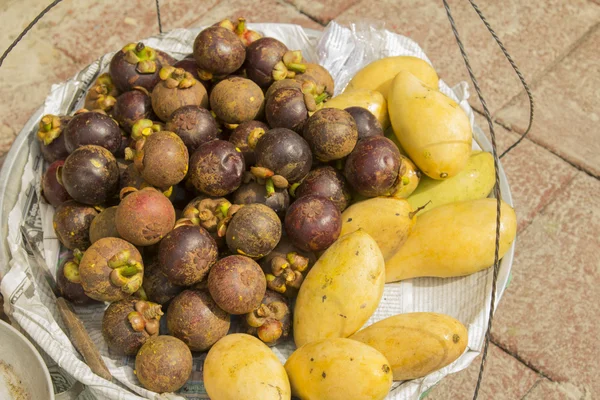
(196, 319)
(245, 136)
(92, 128)
(328, 182)
(111, 269)
(282, 152)
(254, 230)
(163, 364)
(313, 223)
(103, 225)
(52, 190)
(216, 168)
(237, 284)
(144, 216)
(132, 106)
(319, 76)
(177, 88)
(218, 52)
(156, 285)
(269, 60)
(366, 122)
(51, 137)
(194, 125)
(128, 323)
(72, 223)
(90, 175)
(235, 100)
(187, 253)
(135, 65)
(372, 169)
(68, 280)
(253, 192)
(331, 134)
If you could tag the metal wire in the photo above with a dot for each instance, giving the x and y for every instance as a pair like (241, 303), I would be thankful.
(158, 16)
(31, 24)
(521, 78)
(497, 177)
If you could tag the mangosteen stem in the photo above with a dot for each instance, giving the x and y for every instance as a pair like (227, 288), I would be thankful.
(241, 26)
(320, 98)
(141, 294)
(139, 47)
(270, 187)
(293, 188)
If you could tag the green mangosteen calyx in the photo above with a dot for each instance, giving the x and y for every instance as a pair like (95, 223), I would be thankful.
(144, 57)
(146, 317)
(71, 268)
(49, 129)
(176, 77)
(127, 272)
(211, 214)
(290, 64)
(286, 272)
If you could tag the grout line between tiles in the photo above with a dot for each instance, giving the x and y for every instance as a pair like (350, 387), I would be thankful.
(540, 75)
(536, 383)
(301, 12)
(530, 139)
(522, 361)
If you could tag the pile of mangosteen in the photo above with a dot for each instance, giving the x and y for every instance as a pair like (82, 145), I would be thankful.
(203, 190)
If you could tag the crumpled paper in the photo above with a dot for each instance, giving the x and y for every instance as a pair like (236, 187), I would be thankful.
(27, 286)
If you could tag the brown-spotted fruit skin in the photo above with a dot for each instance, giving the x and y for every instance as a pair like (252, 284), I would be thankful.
(328, 182)
(163, 364)
(163, 161)
(117, 330)
(261, 58)
(90, 175)
(103, 225)
(156, 285)
(96, 273)
(195, 125)
(285, 153)
(145, 216)
(237, 284)
(331, 134)
(373, 166)
(313, 223)
(216, 168)
(186, 254)
(235, 100)
(72, 223)
(254, 231)
(219, 51)
(195, 318)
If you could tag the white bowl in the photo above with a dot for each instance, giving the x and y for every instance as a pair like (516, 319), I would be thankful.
(23, 373)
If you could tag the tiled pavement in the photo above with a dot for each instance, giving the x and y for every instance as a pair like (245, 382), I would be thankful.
(544, 335)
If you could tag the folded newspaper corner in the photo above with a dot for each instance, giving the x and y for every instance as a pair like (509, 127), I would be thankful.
(27, 282)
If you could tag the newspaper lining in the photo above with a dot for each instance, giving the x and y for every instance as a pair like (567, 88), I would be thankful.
(30, 299)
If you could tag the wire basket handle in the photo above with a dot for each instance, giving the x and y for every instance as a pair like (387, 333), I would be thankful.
(496, 162)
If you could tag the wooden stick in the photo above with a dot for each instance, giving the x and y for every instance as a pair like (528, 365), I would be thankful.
(81, 339)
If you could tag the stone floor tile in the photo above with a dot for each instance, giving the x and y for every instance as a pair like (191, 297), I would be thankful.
(322, 11)
(567, 114)
(535, 175)
(504, 378)
(549, 314)
(547, 390)
(536, 33)
(257, 11)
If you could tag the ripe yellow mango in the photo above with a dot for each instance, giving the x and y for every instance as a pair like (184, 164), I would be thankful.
(453, 240)
(410, 176)
(474, 182)
(239, 366)
(388, 220)
(365, 98)
(341, 291)
(431, 127)
(379, 74)
(416, 344)
(338, 369)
